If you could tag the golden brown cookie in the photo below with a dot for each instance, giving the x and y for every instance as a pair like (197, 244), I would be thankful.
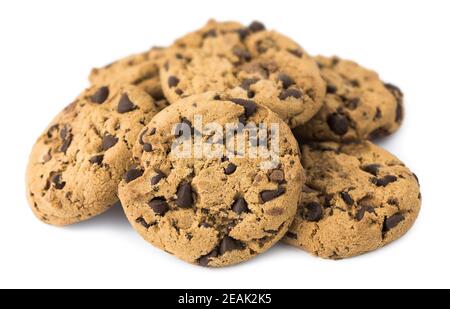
(77, 163)
(358, 105)
(247, 63)
(357, 198)
(212, 210)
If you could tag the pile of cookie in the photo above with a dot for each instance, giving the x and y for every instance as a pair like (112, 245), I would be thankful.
(332, 192)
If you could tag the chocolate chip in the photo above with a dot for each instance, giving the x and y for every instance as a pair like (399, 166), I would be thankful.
(277, 176)
(66, 143)
(230, 244)
(331, 89)
(210, 33)
(397, 93)
(100, 95)
(269, 195)
(142, 222)
(56, 179)
(204, 260)
(230, 169)
(296, 52)
(240, 206)
(347, 198)
(248, 82)
(355, 83)
(399, 113)
(96, 159)
(159, 206)
(147, 147)
(383, 182)
(132, 174)
(313, 212)
(371, 169)
(184, 196)
(243, 33)
(392, 221)
(351, 104)
(179, 128)
(378, 133)
(242, 54)
(294, 93)
(157, 178)
(378, 114)
(285, 80)
(338, 123)
(256, 26)
(362, 210)
(173, 81)
(125, 105)
(109, 141)
(291, 235)
(249, 106)
(179, 91)
(417, 178)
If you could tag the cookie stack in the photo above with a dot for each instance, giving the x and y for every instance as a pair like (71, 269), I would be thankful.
(329, 190)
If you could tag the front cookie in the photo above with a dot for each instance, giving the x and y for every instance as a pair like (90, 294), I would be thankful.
(216, 204)
(357, 106)
(77, 163)
(248, 63)
(357, 198)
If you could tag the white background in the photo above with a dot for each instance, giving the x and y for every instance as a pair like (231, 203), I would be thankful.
(47, 49)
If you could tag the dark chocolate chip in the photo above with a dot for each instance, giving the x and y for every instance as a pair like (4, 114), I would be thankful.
(397, 93)
(243, 33)
(142, 222)
(285, 80)
(147, 147)
(277, 176)
(100, 95)
(248, 82)
(65, 132)
(347, 198)
(179, 91)
(242, 54)
(352, 104)
(132, 174)
(230, 169)
(56, 179)
(173, 81)
(157, 178)
(294, 93)
(291, 235)
(383, 182)
(399, 113)
(159, 206)
(250, 106)
(417, 178)
(184, 196)
(378, 133)
(256, 26)
(240, 206)
(96, 159)
(378, 114)
(313, 212)
(362, 210)
(109, 141)
(371, 169)
(338, 123)
(204, 260)
(269, 195)
(331, 89)
(355, 83)
(125, 105)
(296, 52)
(392, 221)
(230, 244)
(66, 143)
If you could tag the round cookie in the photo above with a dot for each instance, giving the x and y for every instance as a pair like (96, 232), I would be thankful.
(212, 210)
(247, 63)
(141, 70)
(357, 198)
(357, 106)
(77, 163)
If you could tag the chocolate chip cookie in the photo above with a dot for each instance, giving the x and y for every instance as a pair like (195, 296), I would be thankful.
(77, 163)
(141, 70)
(357, 198)
(358, 105)
(249, 63)
(213, 210)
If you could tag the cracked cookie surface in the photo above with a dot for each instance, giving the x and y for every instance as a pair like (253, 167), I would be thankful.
(214, 211)
(77, 163)
(357, 198)
(249, 63)
(141, 70)
(357, 106)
